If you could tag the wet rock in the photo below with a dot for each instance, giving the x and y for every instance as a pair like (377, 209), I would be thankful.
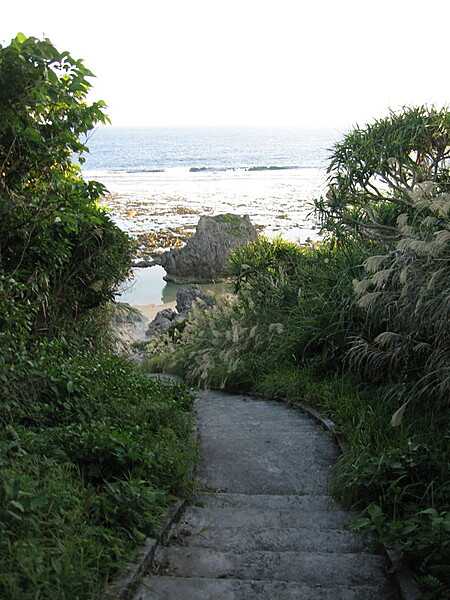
(271, 168)
(143, 264)
(205, 255)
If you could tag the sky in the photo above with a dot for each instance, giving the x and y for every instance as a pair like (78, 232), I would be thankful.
(296, 63)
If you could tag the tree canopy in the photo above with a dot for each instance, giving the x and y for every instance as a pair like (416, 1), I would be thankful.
(375, 171)
(57, 246)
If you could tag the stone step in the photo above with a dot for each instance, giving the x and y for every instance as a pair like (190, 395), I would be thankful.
(267, 501)
(178, 588)
(254, 518)
(238, 539)
(264, 426)
(262, 481)
(311, 569)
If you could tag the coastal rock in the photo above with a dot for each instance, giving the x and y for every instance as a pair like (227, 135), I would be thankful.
(271, 168)
(168, 318)
(186, 297)
(205, 255)
(144, 263)
(162, 322)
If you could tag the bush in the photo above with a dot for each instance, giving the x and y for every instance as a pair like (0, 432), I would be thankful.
(55, 240)
(308, 289)
(374, 169)
(86, 478)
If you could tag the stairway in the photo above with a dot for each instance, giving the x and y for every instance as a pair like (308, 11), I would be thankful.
(264, 526)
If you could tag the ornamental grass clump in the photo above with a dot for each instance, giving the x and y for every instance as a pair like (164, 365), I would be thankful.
(219, 345)
(404, 296)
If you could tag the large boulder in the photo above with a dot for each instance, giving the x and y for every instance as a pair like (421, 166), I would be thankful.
(205, 255)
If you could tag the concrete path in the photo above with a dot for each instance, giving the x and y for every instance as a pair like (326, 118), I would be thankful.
(263, 526)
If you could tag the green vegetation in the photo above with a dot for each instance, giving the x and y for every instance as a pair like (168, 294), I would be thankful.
(91, 450)
(357, 326)
(89, 465)
(375, 171)
(234, 222)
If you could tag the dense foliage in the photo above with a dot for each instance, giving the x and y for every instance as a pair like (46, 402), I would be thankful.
(88, 468)
(59, 250)
(292, 302)
(357, 325)
(374, 172)
(91, 450)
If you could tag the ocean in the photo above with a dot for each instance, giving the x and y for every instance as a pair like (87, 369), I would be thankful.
(166, 178)
(162, 179)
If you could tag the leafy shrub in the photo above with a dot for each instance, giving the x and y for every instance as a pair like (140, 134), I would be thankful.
(81, 488)
(308, 289)
(374, 169)
(132, 505)
(54, 238)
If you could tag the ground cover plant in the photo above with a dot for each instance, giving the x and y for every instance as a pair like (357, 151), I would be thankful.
(90, 462)
(91, 450)
(357, 325)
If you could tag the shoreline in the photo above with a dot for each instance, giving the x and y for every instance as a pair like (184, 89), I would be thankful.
(162, 210)
(149, 311)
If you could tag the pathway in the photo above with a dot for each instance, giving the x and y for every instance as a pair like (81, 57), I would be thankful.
(263, 526)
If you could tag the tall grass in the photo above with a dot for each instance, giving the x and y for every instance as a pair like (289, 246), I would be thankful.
(405, 299)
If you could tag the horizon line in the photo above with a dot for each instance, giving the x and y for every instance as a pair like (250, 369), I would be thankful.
(222, 126)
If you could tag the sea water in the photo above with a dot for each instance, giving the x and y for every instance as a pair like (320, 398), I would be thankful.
(163, 179)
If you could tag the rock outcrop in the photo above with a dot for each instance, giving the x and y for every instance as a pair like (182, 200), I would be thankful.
(162, 322)
(186, 297)
(205, 255)
(168, 317)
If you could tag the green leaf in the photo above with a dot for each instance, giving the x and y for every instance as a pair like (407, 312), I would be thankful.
(17, 505)
(20, 38)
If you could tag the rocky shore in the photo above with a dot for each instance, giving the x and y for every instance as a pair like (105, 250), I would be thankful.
(203, 259)
(171, 317)
(205, 255)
